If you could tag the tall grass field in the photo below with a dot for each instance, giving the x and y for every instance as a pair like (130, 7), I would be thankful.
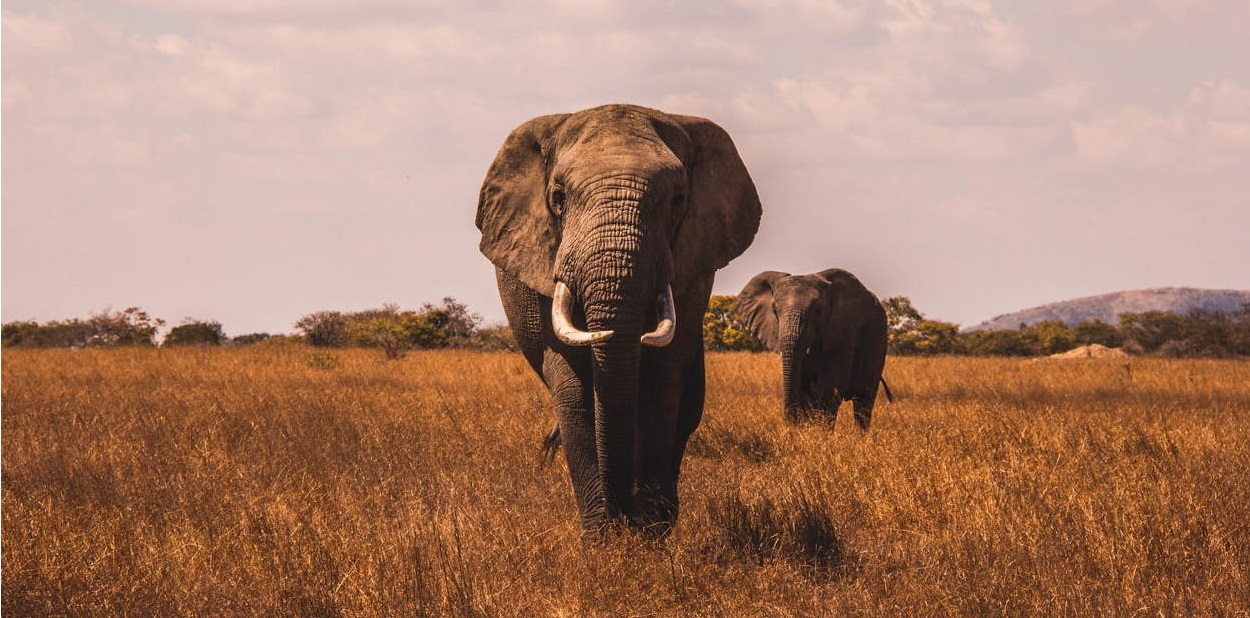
(288, 481)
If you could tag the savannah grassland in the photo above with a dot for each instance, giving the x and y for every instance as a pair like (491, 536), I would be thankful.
(273, 481)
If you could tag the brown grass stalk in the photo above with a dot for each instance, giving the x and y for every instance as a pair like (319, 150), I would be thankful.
(255, 482)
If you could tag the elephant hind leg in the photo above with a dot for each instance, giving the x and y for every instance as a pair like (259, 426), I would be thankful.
(866, 373)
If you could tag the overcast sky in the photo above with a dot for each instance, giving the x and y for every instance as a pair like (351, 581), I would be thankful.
(251, 161)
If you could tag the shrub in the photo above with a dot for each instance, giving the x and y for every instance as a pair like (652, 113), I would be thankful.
(910, 332)
(995, 343)
(392, 333)
(250, 338)
(323, 360)
(1151, 329)
(494, 338)
(324, 328)
(194, 332)
(1097, 331)
(1049, 337)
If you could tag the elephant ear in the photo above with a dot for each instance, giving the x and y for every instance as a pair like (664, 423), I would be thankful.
(755, 307)
(518, 231)
(723, 211)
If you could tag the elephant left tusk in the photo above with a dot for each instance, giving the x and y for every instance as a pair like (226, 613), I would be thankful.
(561, 304)
(664, 331)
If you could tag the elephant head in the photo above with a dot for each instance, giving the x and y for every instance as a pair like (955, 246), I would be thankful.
(830, 331)
(606, 211)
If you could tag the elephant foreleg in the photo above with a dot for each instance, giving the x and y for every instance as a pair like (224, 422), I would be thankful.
(567, 372)
(659, 431)
(835, 367)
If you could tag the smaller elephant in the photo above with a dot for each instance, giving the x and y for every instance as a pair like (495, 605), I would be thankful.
(831, 333)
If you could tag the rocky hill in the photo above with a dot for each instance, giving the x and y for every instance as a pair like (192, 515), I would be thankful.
(1106, 307)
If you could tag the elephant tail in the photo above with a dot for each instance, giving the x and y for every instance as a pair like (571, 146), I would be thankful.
(551, 444)
(888, 396)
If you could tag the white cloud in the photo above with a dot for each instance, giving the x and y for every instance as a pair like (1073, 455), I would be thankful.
(940, 111)
(1205, 135)
(172, 44)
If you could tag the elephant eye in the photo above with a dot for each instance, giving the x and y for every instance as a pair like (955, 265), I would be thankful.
(556, 200)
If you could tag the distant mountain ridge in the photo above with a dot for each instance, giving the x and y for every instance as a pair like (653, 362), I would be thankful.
(1106, 307)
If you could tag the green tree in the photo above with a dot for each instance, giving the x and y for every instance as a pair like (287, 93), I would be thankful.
(926, 338)
(1151, 329)
(452, 320)
(900, 315)
(910, 332)
(1049, 337)
(498, 337)
(389, 332)
(130, 326)
(324, 328)
(250, 338)
(395, 331)
(23, 333)
(1097, 331)
(1239, 331)
(195, 332)
(721, 329)
(1004, 342)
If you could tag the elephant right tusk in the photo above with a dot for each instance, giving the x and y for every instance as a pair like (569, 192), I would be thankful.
(664, 331)
(561, 303)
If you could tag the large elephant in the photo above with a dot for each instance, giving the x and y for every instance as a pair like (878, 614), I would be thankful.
(831, 332)
(605, 227)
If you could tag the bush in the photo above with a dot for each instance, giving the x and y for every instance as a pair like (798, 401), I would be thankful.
(1097, 331)
(194, 332)
(494, 338)
(449, 324)
(391, 332)
(996, 343)
(322, 359)
(1049, 337)
(250, 338)
(324, 328)
(721, 329)
(911, 333)
(1151, 329)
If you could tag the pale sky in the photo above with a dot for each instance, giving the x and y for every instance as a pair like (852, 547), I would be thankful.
(251, 161)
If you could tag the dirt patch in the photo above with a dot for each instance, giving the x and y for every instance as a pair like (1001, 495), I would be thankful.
(1093, 350)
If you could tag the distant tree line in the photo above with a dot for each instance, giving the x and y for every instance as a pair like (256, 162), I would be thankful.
(129, 327)
(450, 324)
(389, 328)
(1199, 333)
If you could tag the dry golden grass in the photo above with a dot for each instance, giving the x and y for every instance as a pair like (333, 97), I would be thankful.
(258, 482)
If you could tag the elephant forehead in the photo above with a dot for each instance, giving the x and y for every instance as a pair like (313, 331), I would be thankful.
(589, 162)
(799, 284)
(627, 128)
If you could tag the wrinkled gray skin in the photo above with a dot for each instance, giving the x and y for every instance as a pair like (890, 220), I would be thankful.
(831, 333)
(615, 202)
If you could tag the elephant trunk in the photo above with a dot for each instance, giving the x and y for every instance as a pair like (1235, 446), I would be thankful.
(616, 273)
(792, 348)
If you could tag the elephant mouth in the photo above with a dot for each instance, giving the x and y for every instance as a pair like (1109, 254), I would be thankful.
(567, 332)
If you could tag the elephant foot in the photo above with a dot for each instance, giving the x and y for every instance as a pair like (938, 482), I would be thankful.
(654, 514)
(814, 414)
(797, 415)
